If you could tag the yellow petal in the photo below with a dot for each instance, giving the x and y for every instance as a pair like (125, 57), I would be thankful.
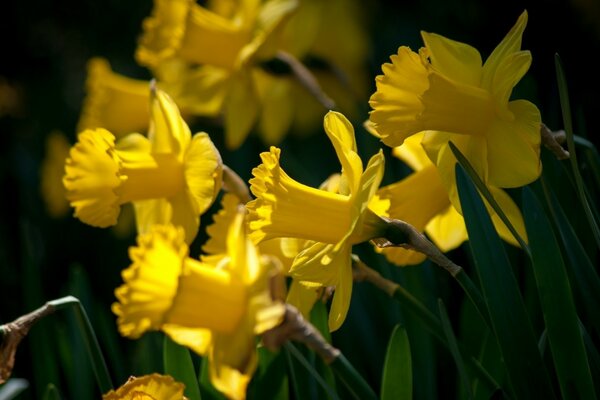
(277, 110)
(217, 231)
(397, 101)
(51, 173)
(183, 213)
(313, 265)
(168, 131)
(402, 257)
(508, 74)
(341, 133)
(151, 282)
(212, 39)
(509, 45)
(302, 297)
(91, 177)
(203, 170)
(343, 291)
(163, 31)
(114, 102)
(412, 153)
(148, 387)
(511, 210)
(241, 110)
(513, 152)
(447, 229)
(456, 60)
(196, 339)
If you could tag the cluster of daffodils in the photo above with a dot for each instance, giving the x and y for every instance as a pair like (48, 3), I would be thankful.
(215, 59)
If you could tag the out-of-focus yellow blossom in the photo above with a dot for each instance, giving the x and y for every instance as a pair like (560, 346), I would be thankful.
(114, 102)
(171, 177)
(148, 387)
(335, 54)
(51, 173)
(227, 40)
(284, 249)
(445, 91)
(332, 221)
(213, 309)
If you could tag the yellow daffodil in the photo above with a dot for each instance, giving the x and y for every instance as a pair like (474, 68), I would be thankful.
(114, 102)
(422, 200)
(171, 177)
(51, 173)
(284, 249)
(332, 221)
(226, 41)
(445, 91)
(213, 309)
(148, 387)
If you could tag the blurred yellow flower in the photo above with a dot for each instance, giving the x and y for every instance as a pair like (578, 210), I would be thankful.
(445, 91)
(213, 309)
(284, 249)
(226, 39)
(421, 200)
(114, 102)
(171, 177)
(51, 173)
(332, 221)
(148, 387)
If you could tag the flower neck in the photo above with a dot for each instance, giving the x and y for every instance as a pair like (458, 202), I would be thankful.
(208, 298)
(149, 176)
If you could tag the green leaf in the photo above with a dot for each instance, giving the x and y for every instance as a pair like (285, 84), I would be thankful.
(566, 112)
(178, 363)
(453, 347)
(483, 189)
(51, 393)
(397, 371)
(584, 272)
(560, 316)
(270, 380)
(510, 322)
(292, 351)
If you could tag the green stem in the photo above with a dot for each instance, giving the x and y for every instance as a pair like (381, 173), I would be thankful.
(352, 379)
(474, 295)
(302, 360)
(89, 337)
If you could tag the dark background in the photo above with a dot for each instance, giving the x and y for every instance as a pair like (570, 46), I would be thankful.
(45, 46)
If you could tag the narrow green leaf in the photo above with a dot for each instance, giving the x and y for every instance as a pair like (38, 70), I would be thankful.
(510, 322)
(560, 316)
(453, 347)
(270, 380)
(584, 272)
(294, 352)
(319, 318)
(397, 383)
(483, 189)
(593, 355)
(51, 393)
(178, 363)
(353, 381)
(490, 358)
(566, 112)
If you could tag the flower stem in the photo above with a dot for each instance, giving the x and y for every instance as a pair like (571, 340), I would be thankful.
(364, 273)
(233, 184)
(401, 234)
(295, 327)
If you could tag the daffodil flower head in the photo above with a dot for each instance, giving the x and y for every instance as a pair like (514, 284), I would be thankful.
(114, 102)
(446, 91)
(148, 387)
(225, 37)
(213, 309)
(332, 221)
(171, 177)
